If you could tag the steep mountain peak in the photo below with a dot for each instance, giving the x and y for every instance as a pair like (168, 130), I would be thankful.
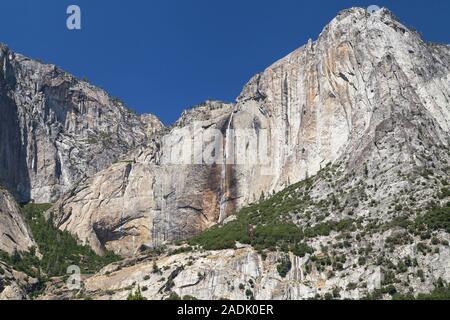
(356, 21)
(372, 12)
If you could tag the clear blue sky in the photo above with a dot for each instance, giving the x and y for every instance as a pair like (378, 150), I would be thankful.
(162, 56)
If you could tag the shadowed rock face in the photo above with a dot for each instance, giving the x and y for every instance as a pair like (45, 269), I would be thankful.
(56, 129)
(361, 93)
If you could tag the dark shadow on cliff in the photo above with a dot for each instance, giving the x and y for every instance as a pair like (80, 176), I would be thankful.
(13, 166)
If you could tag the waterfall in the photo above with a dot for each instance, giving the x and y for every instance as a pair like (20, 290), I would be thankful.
(223, 175)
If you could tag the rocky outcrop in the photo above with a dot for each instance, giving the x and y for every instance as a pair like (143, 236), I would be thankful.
(328, 98)
(14, 285)
(14, 232)
(15, 237)
(243, 274)
(369, 92)
(56, 129)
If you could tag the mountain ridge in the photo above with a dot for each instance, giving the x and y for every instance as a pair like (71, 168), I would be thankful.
(352, 202)
(332, 98)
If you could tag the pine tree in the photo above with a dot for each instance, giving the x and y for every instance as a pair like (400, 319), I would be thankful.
(263, 197)
(136, 296)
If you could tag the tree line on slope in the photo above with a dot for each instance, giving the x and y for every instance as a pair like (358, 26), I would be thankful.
(58, 249)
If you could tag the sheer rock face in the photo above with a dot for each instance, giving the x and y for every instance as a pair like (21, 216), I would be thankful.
(367, 91)
(14, 232)
(328, 98)
(153, 194)
(55, 129)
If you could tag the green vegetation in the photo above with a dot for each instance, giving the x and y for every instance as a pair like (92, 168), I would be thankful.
(180, 250)
(438, 218)
(268, 233)
(249, 294)
(156, 269)
(445, 193)
(287, 221)
(136, 295)
(267, 225)
(120, 102)
(442, 293)
(175, 297)
(325, 228)
(302, 249)
(284, 266)
(271, 231)
(189, 298)
(59, 249)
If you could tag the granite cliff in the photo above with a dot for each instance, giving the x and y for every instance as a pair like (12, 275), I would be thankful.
(56, 129)
(369, 90)
(327, 178)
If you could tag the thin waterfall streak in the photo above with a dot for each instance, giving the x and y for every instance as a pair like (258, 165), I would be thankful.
(223, 175)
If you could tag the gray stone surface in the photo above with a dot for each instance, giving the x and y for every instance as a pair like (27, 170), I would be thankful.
(369, 91)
